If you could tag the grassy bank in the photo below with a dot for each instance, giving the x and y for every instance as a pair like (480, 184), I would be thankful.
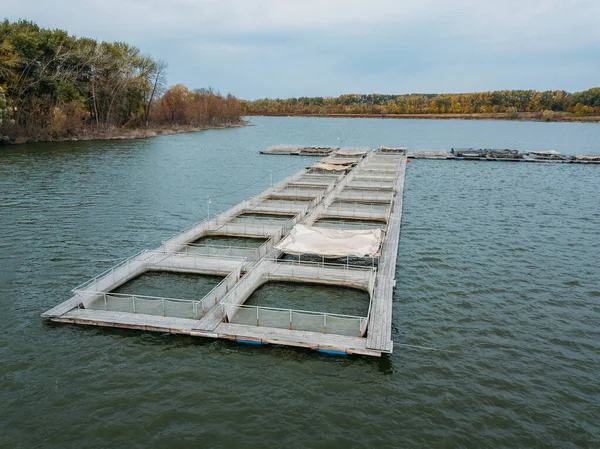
(127, 133)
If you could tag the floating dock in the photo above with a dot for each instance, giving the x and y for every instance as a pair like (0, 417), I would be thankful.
(305, 150)
(503, 155)
(363, 191)
(455, 154)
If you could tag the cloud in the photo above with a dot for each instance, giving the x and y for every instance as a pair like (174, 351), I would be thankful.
(257, 48)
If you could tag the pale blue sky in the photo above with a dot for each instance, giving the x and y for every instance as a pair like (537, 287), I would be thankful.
(285, 48)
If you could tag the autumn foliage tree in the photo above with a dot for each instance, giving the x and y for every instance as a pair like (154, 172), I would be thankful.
(509, 102)
(58, 85)
(201, 107)
(5, 113)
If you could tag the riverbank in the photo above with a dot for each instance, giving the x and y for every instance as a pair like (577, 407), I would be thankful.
(123, 133)
(522, 116)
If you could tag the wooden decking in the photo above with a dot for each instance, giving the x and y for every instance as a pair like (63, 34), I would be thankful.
(236, 332)
(380, 321)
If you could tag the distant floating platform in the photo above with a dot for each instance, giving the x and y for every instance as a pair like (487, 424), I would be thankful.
(503, 155)
(299, 150)
(304, 150)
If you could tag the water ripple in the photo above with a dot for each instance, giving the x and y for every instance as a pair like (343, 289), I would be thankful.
(498, 266)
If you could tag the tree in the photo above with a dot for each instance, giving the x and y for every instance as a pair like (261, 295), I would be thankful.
(156, 80)
(5, 113)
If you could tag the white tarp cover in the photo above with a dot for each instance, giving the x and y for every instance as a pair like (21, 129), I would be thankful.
(331, 243)
(581, 157)
(283, 148)
(352, 152)
(546, 153)
(329, 167)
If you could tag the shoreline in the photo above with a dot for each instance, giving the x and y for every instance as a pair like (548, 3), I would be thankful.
(126, 134)
(523, 116)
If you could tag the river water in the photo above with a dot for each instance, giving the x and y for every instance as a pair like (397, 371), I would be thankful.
(498, 269)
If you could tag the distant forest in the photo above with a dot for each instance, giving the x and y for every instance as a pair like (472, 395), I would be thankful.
(54, 85)
(510, 102)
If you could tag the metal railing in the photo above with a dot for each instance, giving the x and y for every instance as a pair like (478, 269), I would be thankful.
(300, 196)
(282, 206)
(351, 209)
(350, 194)
(195, 230)
(301, 320)
(378, 184)
(208, 263)
(379, 168)
(297, 191)
(357, 275)
(350, 223)
(334, 177)
(249, 253)
(311, 183)
(387, 156)
(384, 162)
(373, 178)
(242, 291)
(246, 228)
(300, 262)
(157, 305)
(250, 219)
(130, 264)
(371, 188)
(153, 260)
(272, 208)
(147, 305)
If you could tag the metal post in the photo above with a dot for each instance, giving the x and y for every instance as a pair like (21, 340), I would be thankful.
(324, 323)
(208, 207)
(105, 305)
(163, 306)
(291, 319)
(257, 322)
(133, 299)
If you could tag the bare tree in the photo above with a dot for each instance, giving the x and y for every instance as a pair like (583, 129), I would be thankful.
(157, 76)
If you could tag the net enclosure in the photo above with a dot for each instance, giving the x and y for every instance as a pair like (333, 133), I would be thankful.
(331, 243)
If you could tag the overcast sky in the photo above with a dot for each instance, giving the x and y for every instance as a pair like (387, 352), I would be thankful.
(289, 48)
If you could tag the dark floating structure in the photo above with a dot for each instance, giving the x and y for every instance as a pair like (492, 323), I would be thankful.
(311, 150)
(503, 155)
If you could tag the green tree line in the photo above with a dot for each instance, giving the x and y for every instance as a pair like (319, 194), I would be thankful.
(504, 101)
(54, 85)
